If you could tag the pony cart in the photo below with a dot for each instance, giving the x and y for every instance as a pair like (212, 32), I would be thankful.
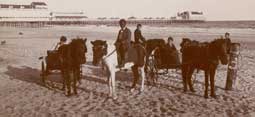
(67, 61)
(50, 64)
(160, 59)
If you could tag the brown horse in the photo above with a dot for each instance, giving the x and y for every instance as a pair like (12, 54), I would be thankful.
(204, 56)
(72, 55)
(99, 50)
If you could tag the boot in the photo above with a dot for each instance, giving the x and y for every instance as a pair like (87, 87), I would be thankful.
(120, 65)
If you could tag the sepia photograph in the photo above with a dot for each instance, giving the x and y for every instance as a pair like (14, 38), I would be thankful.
(127, 58)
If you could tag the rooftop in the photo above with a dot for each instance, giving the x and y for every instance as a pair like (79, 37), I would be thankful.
(21, 3)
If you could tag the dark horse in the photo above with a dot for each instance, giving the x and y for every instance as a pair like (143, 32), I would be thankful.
(204, 56)
(99, 50)
(152, 44)
(72, 55)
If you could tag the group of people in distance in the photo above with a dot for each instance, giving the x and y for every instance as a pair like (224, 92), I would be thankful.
(124, 42)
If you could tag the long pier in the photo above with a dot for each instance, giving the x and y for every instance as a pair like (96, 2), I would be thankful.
(94, 22)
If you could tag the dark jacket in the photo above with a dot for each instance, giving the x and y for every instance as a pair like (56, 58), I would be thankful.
(171, 48)
(139, 37)
(124, 38)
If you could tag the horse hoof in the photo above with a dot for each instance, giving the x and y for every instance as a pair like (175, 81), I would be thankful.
(184, 90)
(214, 96)
(206, 96)
(192, 90)
(141, 90)
(109, 96)
(68, 94)
(115, 98)
(132, 90)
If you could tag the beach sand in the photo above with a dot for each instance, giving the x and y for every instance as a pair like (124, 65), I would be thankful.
(23, 94)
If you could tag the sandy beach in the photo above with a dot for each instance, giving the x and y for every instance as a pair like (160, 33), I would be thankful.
(23, 94)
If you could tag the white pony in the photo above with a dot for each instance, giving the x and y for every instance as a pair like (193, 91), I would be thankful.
(109, 62)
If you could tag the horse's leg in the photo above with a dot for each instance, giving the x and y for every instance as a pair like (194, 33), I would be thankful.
(206, 83)
(212, 74)
(184, 77)
(143, 78)
(110, 85)
(190, 72)
(136, 77)
(79, 74)
(64, 80)
(109, 76)
(68, 82)
(113, 85)
(75, 78)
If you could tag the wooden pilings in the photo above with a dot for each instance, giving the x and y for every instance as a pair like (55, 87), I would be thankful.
(23, 24)
(233, 66)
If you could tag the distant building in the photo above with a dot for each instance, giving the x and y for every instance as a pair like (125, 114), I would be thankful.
(132, 18)
(190, 15)
(102, 18)
(33, 5)
(68, 16)
(35, 11)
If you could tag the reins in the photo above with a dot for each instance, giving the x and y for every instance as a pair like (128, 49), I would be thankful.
(110, 54)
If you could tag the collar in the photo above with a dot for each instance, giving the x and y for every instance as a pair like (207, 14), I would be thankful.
(122, 29)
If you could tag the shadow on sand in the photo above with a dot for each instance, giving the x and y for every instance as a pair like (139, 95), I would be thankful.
(25, 73)
(100, 74)
(32, 75)
(54, 80)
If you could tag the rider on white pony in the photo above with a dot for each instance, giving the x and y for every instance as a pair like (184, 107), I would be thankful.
(129, 59)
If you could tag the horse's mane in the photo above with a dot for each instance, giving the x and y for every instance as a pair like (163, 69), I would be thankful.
(76, 53)
(156, 42)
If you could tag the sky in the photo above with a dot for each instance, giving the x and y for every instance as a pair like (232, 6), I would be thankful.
(212, 9)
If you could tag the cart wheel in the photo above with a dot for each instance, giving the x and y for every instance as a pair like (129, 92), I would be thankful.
(43, 72)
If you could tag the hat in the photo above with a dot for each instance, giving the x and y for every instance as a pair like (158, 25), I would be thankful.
(227, 33)
(123, 21)
(63, 38)
(170, 38)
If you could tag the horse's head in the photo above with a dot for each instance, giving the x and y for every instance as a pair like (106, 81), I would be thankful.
(229, 43)
(99, 50)
(79, 49)
(220, 48)
(185, 42)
